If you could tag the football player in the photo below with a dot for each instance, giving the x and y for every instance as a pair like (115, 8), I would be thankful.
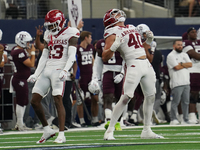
(127, 41)
(54, 68)
(22, 64)
(85, 61)
(191, 47)
(111, 73)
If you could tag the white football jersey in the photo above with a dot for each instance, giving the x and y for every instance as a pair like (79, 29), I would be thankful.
(132, 47)
(58, 46)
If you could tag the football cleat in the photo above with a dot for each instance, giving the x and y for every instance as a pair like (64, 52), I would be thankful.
(174, 122)
(60, 140)
(150, 135)
(22, 128)
(155, 117)
(46, 136)
(108, 136)
(106, 125)
(118, 127)
(126, 123)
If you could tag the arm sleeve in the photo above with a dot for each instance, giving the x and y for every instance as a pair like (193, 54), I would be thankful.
(97, 67)
(42, 62)
(71, 58)
(123, 65)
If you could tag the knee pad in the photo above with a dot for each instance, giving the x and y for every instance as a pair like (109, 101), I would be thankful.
(150, 98)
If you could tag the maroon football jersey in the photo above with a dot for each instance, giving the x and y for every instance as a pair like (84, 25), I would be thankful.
(84, 58)
(18, 57)
(115, 60)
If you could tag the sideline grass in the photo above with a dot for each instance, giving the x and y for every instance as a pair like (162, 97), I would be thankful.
(176, 137)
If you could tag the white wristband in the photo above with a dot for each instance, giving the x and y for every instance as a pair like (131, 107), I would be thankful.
(32, 52)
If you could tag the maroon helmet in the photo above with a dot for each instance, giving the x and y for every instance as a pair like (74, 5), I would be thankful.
(110, 18)
(56, 19)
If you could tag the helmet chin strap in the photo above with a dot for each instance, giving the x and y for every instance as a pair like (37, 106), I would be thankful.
(121, 19)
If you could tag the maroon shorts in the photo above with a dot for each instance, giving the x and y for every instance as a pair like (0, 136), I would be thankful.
(195, 81)
(21, 88)
(109, 86)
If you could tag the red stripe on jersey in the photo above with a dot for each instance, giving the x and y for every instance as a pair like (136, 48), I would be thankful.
(61, 32)
(78, 34)
(105, 34)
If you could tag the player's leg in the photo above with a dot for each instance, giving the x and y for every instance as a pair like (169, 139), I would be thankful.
(58, 88)
(21, 89)
(131, 81)
(108, 97)
(194, 93)
(94, 110)
(80, 110)
(148, 87)
(139, 97)
(39, 90)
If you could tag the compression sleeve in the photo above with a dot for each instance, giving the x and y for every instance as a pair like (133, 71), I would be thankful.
(97, 67)
(71, 58)
(42, 62)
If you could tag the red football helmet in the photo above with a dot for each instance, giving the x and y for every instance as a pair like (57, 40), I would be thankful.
(54, 21)
(110, 18)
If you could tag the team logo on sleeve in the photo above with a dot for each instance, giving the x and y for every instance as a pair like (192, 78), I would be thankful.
(21, 55)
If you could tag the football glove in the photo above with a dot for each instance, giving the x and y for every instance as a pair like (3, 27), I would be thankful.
(118, 78)
(64, 75)
(118, 41)
(32, 78)
(94, 87)
(150, 37)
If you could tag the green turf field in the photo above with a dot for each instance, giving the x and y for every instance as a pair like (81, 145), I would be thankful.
(176, 138)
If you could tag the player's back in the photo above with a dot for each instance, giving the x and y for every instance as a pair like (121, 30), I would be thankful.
(132, 47)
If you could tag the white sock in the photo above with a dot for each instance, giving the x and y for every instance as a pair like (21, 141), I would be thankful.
(192, 116)
(108, 114)
(20, 114)
(148, 110)
(61, 134)
(46, 128)
(82, 120)
(124, 112)
(94, 119)
(50, 120)
(113, 105)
